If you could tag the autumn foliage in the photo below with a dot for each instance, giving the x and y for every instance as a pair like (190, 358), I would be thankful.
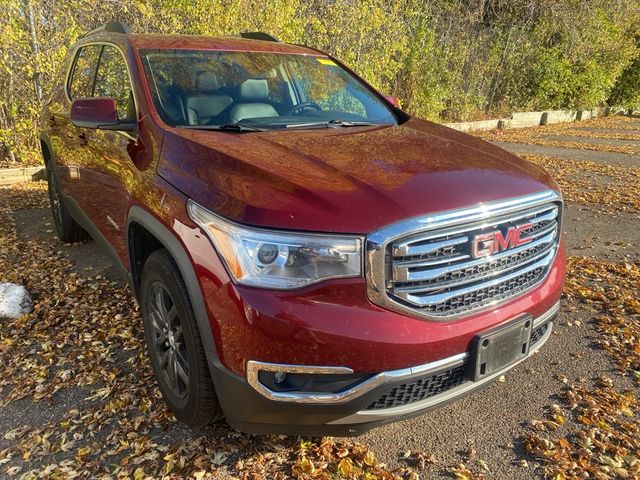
(446, 60)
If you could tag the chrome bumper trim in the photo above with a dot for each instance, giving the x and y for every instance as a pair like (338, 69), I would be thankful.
(365, 416)
(254, 367)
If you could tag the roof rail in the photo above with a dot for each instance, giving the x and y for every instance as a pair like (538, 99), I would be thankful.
(259, 36)
(112, 27)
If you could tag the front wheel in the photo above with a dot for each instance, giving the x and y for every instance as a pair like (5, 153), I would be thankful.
(174, 345)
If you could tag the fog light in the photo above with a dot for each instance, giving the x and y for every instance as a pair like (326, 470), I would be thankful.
(280, 377)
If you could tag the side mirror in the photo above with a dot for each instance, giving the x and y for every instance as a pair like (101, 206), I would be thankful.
(392, 100)
(99, 113)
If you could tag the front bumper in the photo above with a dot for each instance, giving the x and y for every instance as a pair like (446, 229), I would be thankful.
(383, 398)
(335, 324)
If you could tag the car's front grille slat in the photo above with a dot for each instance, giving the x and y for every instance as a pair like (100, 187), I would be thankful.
(414, 272)
(453, 269)
(423, 298)
(418, 248)
(421, 389)
(538, 332)
(484, 271)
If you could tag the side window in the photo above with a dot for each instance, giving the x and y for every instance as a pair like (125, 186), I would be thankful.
(113, 81)
(84, 72)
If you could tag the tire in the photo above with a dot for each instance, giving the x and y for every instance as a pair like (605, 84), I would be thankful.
(67, 228)
(174, 344)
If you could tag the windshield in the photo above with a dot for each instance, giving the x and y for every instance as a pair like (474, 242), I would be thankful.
(206, 88)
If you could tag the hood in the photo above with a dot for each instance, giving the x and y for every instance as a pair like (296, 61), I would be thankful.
(348, 180)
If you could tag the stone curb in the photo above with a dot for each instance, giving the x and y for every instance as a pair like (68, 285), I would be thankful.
(9, 176)
(533, 119)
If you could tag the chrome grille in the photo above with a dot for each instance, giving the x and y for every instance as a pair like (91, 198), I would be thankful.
(426, 266)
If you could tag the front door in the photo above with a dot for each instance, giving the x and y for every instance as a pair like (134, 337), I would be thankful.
(72, 146)
(109, 173)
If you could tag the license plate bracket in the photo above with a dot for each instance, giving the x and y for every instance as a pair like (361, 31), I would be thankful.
(499, 348)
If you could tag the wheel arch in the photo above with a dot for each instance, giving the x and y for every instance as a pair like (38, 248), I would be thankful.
(141, 220)
(46, 148)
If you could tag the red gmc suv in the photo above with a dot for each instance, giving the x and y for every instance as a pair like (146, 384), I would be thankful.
(308, 258)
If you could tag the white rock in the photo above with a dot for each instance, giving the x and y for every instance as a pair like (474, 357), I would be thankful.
(14, 300)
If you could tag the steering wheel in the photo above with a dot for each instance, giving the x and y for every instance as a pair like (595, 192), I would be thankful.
(301, 107)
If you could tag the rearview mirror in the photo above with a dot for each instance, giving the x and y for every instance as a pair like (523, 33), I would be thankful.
(392, 100)
(99, 113)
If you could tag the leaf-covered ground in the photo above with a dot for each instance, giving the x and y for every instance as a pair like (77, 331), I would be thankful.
(546, 135)
(611, 188)
(606, 444)
(596, 132)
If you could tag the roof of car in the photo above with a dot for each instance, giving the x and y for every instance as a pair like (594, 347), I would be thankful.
(198, 42)
(246, 41)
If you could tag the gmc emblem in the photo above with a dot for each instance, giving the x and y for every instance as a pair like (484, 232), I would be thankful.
(494, 242)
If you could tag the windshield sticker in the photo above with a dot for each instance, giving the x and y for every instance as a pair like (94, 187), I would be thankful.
(327, 61)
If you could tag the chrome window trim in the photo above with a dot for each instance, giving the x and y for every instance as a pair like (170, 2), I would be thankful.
(377, 243)
(254, 367)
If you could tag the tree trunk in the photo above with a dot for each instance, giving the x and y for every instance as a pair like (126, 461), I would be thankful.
(33, 41)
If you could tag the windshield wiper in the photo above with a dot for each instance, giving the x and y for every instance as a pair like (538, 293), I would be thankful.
(347, 123)
(330, 124)
(243, 127)
(227, 127)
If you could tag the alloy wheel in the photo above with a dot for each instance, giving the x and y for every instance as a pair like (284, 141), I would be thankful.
(168, 340)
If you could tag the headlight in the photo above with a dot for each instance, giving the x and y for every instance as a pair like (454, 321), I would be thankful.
(278, 259)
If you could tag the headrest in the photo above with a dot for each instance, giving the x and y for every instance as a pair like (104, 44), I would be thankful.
(206, 82)
(253, 89)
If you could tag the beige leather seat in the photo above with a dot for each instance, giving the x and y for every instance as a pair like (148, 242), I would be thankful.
(206, 105)
(254, 96)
